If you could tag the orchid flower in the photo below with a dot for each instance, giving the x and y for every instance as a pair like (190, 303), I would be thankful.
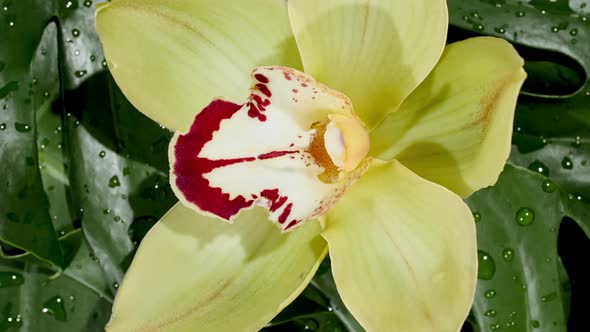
(305, 127)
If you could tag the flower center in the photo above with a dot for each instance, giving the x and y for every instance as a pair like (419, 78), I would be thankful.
(292, 148)
(338, 146)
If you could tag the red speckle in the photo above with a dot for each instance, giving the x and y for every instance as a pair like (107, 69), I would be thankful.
(275, 154)
(295, 90)
(304, 85)
(190, 169)
(276, 200)
(291, 145)
(264, 89)
(261, 78)
(285, 214)
(255, 113)
(291, 224)
(287, 76)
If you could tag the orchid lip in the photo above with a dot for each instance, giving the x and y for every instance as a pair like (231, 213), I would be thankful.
(292, 148)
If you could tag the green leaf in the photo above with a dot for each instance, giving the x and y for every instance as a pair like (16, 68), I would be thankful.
(520, 284)
(34, 300)
(553, 117)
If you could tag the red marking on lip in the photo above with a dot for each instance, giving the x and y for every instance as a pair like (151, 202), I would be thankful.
(291, 224)
(285, 214)
(264, 89)
(304, 85)
(275, 200)
(275, 154)
(261, 78)
(295, 90)
(190, 169)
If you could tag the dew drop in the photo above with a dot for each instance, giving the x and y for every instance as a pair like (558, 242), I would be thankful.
(2, 126)
(525, 216)
(114, 181)
(101, 154)
(508, 254)
(22, 128)
(495, 327)
(487, 266)
(76, 33)
(80, 73)
(115, 285)
(10, 279)
(87, 3)
(574, 32)
(520, 13)
(539, 167)
(490, 313)
(476, 216)
(310, 325)
(567, 163)
(535, 324)
(55, 307)
(548, 186)
(490, 293)
(549, 297)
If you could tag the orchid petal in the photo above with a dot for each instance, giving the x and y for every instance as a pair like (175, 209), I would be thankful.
(376, 52)
(270, 151)
(455, 129)
(171, 58)
(192, 273)
(403, 252)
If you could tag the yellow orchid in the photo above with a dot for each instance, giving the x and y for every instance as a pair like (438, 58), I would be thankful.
(277, 167)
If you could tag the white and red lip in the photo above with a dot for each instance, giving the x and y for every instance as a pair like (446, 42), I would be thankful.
(290, 148)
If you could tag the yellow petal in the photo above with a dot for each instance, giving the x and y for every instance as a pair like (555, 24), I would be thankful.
(376, 52)
(403, 252)
(193, 273)
(455, 129)
(171, 58)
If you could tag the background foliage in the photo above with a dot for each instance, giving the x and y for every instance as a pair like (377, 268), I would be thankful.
(84, 176)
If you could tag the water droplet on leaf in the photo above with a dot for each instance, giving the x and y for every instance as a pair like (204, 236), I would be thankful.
(490, 293)
(487, 266)
(508, 254)
(55, 307)
(114, 181)
(525, 216)
(11, 279)
(548, 186)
